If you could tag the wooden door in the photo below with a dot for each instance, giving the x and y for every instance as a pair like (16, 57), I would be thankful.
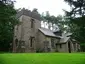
(69, 47)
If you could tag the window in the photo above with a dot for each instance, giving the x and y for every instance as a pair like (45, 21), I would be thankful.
(22, 44)
(52, 43)
(74, 46)
(16, 41)
(32, 23)
(16, 28)
(46, 43)
(31, 41)
(60, 45)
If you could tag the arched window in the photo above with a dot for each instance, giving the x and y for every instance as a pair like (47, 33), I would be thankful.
(16, 41)
(32, 41)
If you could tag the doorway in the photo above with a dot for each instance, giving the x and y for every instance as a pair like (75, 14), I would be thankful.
(69, 47)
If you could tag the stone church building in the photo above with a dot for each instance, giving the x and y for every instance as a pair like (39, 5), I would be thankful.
(29, 36)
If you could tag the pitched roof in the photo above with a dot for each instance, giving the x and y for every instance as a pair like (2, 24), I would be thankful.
(65, 37)
(48, 32)
(75, 41)
(68, 34)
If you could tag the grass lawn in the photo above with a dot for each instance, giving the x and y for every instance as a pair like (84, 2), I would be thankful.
(42, 58)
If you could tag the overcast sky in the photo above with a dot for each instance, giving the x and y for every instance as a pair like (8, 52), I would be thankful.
(53, 6)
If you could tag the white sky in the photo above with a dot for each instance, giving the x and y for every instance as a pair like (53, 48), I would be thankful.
(53, 6)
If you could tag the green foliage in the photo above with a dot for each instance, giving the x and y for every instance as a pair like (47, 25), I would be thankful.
(77, 7)
(43, 58)
(77, 19)
(7, 22)
(83, 46)
(58, 21)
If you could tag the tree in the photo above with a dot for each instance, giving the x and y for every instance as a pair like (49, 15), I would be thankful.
(77, 8)
(48, 19)
(54, 22)
(7, 22)
(77, 19)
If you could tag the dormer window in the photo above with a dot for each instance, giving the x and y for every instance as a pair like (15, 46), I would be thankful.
(32, 23)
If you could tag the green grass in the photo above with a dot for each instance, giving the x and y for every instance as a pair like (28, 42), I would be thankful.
(42, 58)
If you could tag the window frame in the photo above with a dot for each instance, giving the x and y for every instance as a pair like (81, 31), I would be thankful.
(31, 41)
(32, 22)
(52, 43)
(60, 45)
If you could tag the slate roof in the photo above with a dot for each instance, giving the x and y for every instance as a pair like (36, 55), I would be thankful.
(63, 39)
(68, 34)
(75, 41)
(48, 32)
(66, 37)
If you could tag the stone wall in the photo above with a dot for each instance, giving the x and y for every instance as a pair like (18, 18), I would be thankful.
(23, 32)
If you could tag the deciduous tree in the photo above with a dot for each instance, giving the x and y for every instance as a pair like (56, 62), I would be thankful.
(7, 22)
